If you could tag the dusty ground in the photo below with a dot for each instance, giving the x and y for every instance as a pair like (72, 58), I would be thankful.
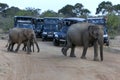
(50, 64)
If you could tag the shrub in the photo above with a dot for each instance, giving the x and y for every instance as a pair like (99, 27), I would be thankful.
(113, 23)
(6, 23)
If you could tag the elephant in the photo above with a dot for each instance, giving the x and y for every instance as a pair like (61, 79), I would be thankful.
(31, 45)
(84, 35)
(19, 36)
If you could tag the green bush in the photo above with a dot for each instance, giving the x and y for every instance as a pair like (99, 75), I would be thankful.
(113, 23)
(6, 23)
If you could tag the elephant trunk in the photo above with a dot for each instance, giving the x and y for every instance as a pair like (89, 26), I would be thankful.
(101, 52)
(100, 41)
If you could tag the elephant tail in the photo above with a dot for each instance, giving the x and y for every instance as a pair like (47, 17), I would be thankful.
(36, 45)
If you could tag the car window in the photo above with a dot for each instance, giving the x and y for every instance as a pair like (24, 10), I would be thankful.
(30, 26)
(51, 27)
(49, 21)
(97, 21)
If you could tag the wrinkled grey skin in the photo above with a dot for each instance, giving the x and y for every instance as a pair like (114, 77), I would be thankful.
(21, 35)
(86, 35)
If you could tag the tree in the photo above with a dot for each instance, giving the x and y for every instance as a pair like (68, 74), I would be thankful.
(104, 7)
(11, 11)
(67, 11)
(74, 11)
(25, 12)
(113, 23)
(85, 12)
(3, 7)
(49, 13)
(117, 8)
(33, 11)
(78, 9)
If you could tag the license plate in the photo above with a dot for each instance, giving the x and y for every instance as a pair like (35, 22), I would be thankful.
(50, 35)
(62, 40)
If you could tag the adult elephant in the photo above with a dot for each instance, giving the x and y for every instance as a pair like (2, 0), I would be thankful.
(21, 35)
(86, 35)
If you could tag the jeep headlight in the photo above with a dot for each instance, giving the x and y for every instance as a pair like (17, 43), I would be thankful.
(44, 32)
(55, 32)
(105, 35)
(56, 35)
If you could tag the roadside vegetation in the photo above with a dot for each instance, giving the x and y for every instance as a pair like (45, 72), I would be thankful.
(113, 23)
(105, 9)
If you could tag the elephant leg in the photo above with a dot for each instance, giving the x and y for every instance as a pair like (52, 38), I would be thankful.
(85, 47)
(100, 41)
(16, 50)
(72, 54)
(24, 47)
(12, 45)
(84, 53)
(9, 46)
(96, 51)
(65, 48)
(33, 46)
(28, 47)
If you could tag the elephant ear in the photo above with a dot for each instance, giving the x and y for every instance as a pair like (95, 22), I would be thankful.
(25, 32)
(93, 31)
(29, 33)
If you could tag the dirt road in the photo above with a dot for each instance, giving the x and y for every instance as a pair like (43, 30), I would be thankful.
(50, 64)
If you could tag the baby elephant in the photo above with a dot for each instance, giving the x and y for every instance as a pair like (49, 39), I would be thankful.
(86, 35)
(31, 46)
(19, 36)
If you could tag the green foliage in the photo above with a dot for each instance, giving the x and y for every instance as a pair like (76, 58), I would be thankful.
(104, 7)
(79, 10)
(49, 13)
(11, 11)
(117, 8)
(113, 23)
(3, 6)
(108, 8)
(23, 13)
(67, 11)
(6, 23)
(33, 11)
(74, 11)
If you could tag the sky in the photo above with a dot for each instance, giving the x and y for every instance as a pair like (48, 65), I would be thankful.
(55, 5)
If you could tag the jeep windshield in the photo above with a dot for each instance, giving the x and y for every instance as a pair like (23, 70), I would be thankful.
(51, 21)
(39, 26)
(97, 21)
(51, 27)
(21, 25)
